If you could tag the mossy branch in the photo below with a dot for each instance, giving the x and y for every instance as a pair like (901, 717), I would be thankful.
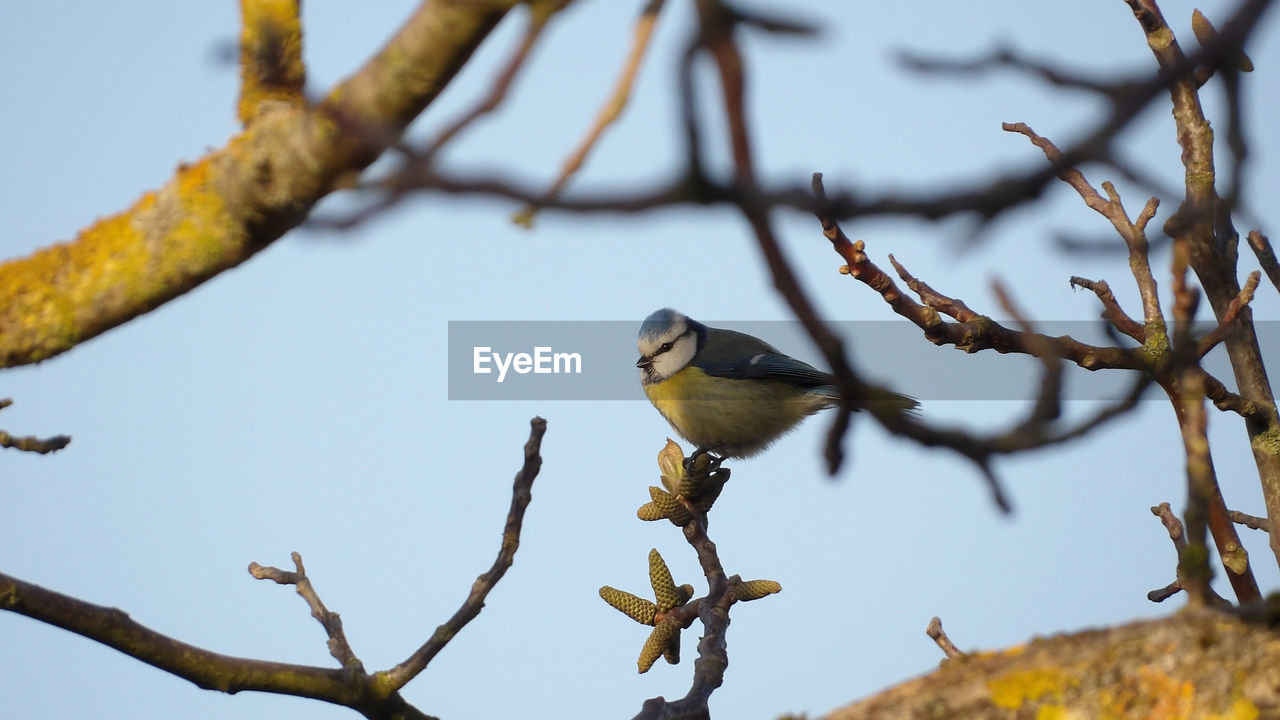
(220, 210)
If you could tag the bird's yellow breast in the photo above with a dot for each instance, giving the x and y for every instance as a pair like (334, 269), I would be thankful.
(741, 416)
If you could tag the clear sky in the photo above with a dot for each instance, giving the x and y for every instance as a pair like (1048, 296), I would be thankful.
(300, 402)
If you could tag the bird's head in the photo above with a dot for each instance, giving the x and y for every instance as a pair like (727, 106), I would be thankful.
(667, 343)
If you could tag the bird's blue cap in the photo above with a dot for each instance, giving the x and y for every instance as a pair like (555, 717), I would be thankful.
(658, 322)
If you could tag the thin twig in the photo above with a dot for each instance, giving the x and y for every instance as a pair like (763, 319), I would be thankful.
(610, 112)
(1132, 231)
(1225, 400)
(1203, 224)
(1111, 310)
(1266, 256)
(540, 14)
(1187, 394)
(976, 333)
(1048, 406)
(939, 636)
(953, 307)
(33, 444)
(521, 494)
(30, 443)
(330, 621)
(1225, 325)
(1252, 522)
(1174, 527)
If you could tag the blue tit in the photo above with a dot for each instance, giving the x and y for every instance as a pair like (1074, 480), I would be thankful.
(727, 392)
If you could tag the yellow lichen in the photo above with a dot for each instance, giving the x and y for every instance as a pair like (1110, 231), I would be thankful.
(1268, 442)
(1240, 709)
(271, 68)
(1149, 693)
(1055, 712)
(1014, 689)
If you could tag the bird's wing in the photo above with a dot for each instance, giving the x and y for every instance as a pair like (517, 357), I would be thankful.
(769, 366)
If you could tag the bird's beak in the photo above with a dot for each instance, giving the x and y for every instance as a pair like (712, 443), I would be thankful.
(644, 363)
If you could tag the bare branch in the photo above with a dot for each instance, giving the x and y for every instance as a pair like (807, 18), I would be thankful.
(220, 210)
(1225, 325)
(31, 443)
(1005, 57)
(611, 111)
(1225, 400)
(375, 696)
(1203, 225)
(1174, 527)
(208, 670)
(1111, 208)
(521, 494)
(979, 332)
(330, 621)
(976, 333)
(1266, 256)
(939, 636)
(1252, 522)
(1111, 310)
(540, 14)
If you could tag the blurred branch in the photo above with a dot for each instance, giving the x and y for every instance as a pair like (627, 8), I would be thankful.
(611, 111)
(1174, 527)
(31, 443)
(1266, 256)
(272, 73)
(540, 13)
(987, 201)
(220, 210)
(1144, 669)
(1184, 383)
(1226, 400)
(939, 636)
(1009, 58)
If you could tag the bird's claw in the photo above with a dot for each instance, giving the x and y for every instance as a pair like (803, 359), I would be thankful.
(713, 459)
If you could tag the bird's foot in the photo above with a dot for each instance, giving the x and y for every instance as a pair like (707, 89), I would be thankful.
(712, 462)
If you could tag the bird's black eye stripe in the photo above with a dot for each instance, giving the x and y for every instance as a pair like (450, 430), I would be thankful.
(665, 347)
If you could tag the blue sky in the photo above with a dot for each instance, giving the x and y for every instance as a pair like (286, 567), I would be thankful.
(300, 402)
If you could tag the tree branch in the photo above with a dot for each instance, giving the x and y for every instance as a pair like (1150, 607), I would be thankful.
(376, 695)
(222, 209)
(30, 443)
(401, 674)
(271, 68)
(330, 621)
(1139, 670)
(208, 670)
(939, 636)
(1203, 224)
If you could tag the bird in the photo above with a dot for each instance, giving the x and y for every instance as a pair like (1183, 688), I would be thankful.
(729, 393)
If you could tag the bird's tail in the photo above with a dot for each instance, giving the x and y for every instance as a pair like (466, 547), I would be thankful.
(880, 399)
